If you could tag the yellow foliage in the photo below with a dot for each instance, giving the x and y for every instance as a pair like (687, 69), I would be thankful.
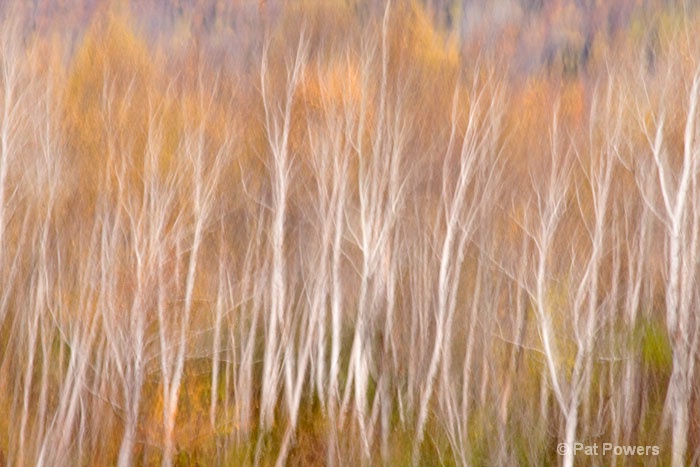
(104, 103)
(430, 46)
(331, 84)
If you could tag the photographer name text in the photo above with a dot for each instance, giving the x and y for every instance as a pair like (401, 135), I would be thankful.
(607, 449)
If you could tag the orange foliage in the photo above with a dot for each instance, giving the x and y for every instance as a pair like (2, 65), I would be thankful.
(106, 107)
(573, 103)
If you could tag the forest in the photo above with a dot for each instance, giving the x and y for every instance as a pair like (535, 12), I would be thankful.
(349, 232)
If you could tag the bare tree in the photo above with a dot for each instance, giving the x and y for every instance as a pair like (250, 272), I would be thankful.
(278, 124)
(205, 169)
(679, 218)
(463, 199)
